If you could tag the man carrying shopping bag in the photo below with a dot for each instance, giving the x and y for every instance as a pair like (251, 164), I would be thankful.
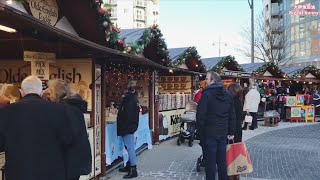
(215, 122)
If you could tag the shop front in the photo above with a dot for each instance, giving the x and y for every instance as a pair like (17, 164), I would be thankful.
(117, 77)
(52, 49)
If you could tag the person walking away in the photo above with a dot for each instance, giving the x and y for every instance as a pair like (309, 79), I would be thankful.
(216, 122)
(34, 134)
(78, 156)
(127, 124)
(251, 105)
(237, 93)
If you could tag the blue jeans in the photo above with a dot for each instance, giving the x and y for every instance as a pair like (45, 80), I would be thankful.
(128, 141)
(215, 155)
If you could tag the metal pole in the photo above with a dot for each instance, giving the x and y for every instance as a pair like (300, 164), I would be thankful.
(252, 32)
(219, 46)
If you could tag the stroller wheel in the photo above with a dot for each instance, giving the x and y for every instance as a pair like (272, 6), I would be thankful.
(190, 143)
(199, 165)
(178, 142)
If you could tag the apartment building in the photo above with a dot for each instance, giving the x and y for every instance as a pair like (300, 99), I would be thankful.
(297, 23)
(129, 14)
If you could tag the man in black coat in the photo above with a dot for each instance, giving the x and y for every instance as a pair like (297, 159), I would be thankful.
(216, 123)
(33, 135)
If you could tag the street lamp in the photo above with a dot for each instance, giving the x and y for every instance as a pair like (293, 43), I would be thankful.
(252, 30)
(219, 43)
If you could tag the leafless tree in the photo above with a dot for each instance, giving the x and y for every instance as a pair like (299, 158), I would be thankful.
(271, 43)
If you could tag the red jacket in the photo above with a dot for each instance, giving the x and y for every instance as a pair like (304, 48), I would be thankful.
(197, 96)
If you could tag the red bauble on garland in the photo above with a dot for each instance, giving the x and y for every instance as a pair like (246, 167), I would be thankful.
(120, 42)
(109, 14)
(101, 11)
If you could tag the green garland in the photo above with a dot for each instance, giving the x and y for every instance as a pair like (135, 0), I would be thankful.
(309, 69)
(152, 35)
(224, 61)
(264, 68)
(104, 23)
(191, 52)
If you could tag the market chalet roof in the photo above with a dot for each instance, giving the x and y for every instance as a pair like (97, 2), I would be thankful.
(291, 70)
(132, 36)
(251, 67)
(211, 62)
(174, 53)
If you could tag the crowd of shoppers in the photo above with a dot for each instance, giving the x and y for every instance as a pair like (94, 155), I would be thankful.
(45, 138)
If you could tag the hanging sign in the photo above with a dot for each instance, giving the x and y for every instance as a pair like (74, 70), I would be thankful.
(45, 10)
(39, 56)
(40, 69)
(39, 63)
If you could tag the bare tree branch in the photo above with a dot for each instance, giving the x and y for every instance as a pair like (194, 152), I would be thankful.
(269, 43)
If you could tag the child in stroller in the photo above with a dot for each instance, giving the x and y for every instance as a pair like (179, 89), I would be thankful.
(189, 118)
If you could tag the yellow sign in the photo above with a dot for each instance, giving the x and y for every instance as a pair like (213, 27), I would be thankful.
(45, 10)
(76, 72)
(39, 56)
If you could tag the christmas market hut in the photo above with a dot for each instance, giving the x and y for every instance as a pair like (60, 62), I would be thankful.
(264, 71)
(228, 68)
(147, 42)
(186, 58)
(175, 90)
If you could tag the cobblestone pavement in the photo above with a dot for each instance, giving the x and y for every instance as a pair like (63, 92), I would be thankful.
(284, 152)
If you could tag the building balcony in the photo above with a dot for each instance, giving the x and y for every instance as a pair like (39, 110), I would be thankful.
(140, 20)
(140, 6)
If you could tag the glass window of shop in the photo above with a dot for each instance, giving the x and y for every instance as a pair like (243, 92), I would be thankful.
(302, 31)
(314, 25)
(308, 48)
(302, 48)
(292, 33)
(296, 32)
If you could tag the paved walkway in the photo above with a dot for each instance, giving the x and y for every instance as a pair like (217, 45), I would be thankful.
(275, 153)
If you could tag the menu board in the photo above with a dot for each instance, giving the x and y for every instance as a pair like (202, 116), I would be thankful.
(173, 84)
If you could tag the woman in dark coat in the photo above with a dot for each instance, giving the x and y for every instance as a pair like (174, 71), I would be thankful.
(237, 93)
(127, 124)
(78, 156)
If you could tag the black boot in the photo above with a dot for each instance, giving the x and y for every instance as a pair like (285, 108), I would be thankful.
(245, 126)
(132, 173)
(126, 168)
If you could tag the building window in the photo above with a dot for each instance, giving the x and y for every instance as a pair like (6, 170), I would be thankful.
(125, 10)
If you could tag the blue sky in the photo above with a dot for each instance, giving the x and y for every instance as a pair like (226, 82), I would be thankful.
(199, 23)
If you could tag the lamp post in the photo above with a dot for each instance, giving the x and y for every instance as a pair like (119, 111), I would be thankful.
(219, 43)
(252, 30)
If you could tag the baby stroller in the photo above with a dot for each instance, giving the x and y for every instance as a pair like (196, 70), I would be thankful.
(190, 132)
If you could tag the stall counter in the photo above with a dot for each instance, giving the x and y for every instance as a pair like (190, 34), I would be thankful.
(114, 145)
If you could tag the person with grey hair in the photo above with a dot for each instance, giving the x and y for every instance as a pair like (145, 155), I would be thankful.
(216, 123)
(34, 134)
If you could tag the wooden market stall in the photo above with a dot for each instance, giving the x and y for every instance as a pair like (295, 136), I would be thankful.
(228, 68)
(175, 90)
(304, 80)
